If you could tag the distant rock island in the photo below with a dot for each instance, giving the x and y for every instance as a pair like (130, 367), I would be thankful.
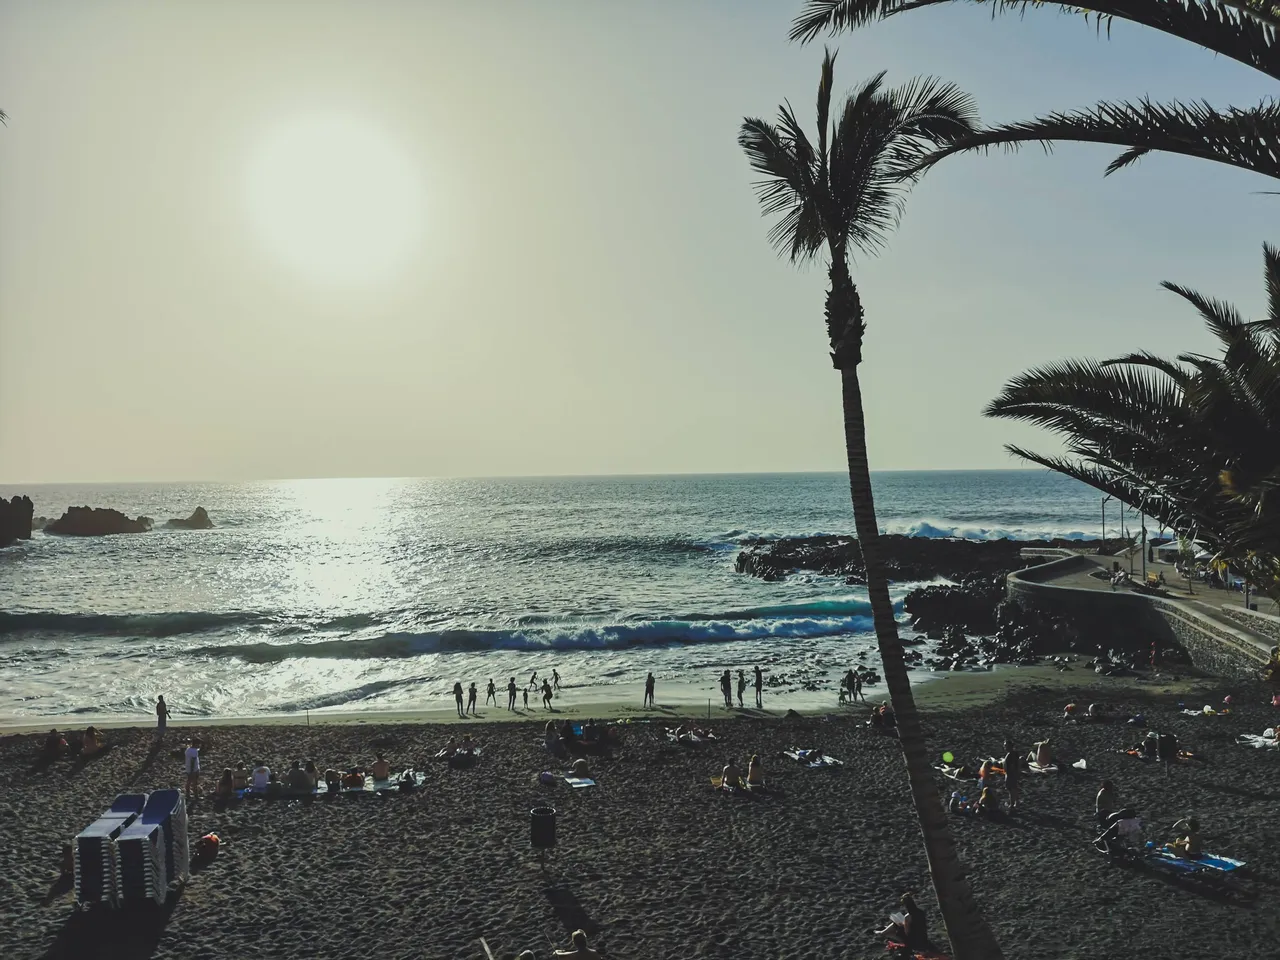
(15, 519)
(197, 521)
(95, 522)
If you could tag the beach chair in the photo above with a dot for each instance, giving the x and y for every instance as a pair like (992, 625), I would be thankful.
(94, 852)
(154, 851)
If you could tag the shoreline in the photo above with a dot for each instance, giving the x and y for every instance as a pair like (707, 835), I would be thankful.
(934, 692)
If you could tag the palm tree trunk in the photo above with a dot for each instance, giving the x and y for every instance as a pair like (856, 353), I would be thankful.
(971, 938)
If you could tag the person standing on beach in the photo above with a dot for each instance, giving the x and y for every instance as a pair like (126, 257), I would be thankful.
(162, 716)
(555, 678)
(525, 691)
(471, 698)
(742, 686)
(726, 687)
(491, 694)
(511, 694)
(457, 696)
(1012, 763)
(192, 763)
(648, 691)
(547, 694)
(759, 686)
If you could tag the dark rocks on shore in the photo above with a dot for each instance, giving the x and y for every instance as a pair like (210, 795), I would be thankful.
(96, 522)
(15, 519)
(199, 520)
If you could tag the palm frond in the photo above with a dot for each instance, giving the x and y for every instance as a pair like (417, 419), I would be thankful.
(1244, 138)
(785, 192)
(1244, 30)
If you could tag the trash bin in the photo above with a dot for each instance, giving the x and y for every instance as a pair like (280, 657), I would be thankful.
(542, 828)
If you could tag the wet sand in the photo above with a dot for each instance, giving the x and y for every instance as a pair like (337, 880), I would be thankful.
(653, 862)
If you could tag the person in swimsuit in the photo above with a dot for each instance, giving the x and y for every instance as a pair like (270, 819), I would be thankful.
(457, 697)
(755, 773)
(731, 777)
(1189, 843)
(511, 694)
(471, 698)
(547, 694)
(742, 686)
(759, 686)
(491, 695)
(580, 948)
(1012, 764)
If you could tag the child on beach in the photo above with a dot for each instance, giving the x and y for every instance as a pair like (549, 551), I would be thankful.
(526, 697)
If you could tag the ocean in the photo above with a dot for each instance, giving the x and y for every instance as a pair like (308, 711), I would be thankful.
(377, 594)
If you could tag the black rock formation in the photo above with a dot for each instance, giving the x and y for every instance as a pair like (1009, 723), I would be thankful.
(15, 519)
(95, 522)
(197, 521)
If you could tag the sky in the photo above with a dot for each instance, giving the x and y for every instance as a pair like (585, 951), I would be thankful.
(258, 240)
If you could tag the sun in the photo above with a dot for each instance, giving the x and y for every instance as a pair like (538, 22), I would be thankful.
(336, 200)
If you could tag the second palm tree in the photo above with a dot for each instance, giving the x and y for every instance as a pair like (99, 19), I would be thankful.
(840, 195)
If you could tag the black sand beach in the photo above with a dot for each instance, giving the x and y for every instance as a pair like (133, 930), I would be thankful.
(652, 862)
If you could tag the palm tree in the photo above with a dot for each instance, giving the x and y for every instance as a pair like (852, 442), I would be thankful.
(842, 195)
(1245, 31)
(1193, 442)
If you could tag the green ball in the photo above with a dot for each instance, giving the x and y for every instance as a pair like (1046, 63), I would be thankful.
(948, 757)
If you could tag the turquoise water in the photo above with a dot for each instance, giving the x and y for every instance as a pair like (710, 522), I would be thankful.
(378, 594)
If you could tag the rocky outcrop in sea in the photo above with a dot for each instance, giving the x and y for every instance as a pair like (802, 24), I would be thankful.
(199, 520)
(15, 519)
(96, 522)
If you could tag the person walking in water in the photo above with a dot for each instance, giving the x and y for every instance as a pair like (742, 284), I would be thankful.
(648, 691)
(457, 696)
(162, 716)
(742, 686)
(471, 698)
(491, 694)
(555, 678)
(511, 694)
(726, 687)
(759, 686)
(547, 694)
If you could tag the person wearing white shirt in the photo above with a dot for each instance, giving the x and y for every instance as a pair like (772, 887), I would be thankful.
(261, 777)
(192, 763)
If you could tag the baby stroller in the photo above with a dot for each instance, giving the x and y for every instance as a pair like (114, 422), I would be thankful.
(1121, 837)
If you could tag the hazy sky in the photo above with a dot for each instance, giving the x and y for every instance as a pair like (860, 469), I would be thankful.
(279, 239)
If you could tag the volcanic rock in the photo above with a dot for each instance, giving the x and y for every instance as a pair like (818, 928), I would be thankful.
(96, 522)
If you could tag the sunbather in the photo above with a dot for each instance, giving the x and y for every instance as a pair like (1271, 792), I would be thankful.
(1105, 803)
(297, 780)
(261, 777)
(55, 744)
(755, 773)
(312, 772)
(581, 769)
(1188, 844)
(731, 777)
(240, 778)
(988, 803)
(468, 747)
(1041, 754)
(580, 947)
(92, 742)
(381, 768)
(332, 780)
(226, 786)
(913, 929)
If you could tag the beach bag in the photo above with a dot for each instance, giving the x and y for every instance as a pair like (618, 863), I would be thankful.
(1167, 747)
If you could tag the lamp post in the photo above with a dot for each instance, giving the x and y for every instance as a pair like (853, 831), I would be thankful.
(1104, 520)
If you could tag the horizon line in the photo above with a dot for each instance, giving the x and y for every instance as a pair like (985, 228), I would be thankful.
(514, 476)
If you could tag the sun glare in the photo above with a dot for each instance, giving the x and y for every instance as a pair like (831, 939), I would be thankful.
(335, 199)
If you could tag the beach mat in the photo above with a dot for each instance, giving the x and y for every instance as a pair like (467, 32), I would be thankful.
(1040, 768)
(579, 783)
(1207, 861)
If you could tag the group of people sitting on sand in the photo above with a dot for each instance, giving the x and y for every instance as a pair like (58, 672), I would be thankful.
(566, 738)
(883, 718)
(85, 745)
(301, 777)
(458, 753)
(732, 780)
